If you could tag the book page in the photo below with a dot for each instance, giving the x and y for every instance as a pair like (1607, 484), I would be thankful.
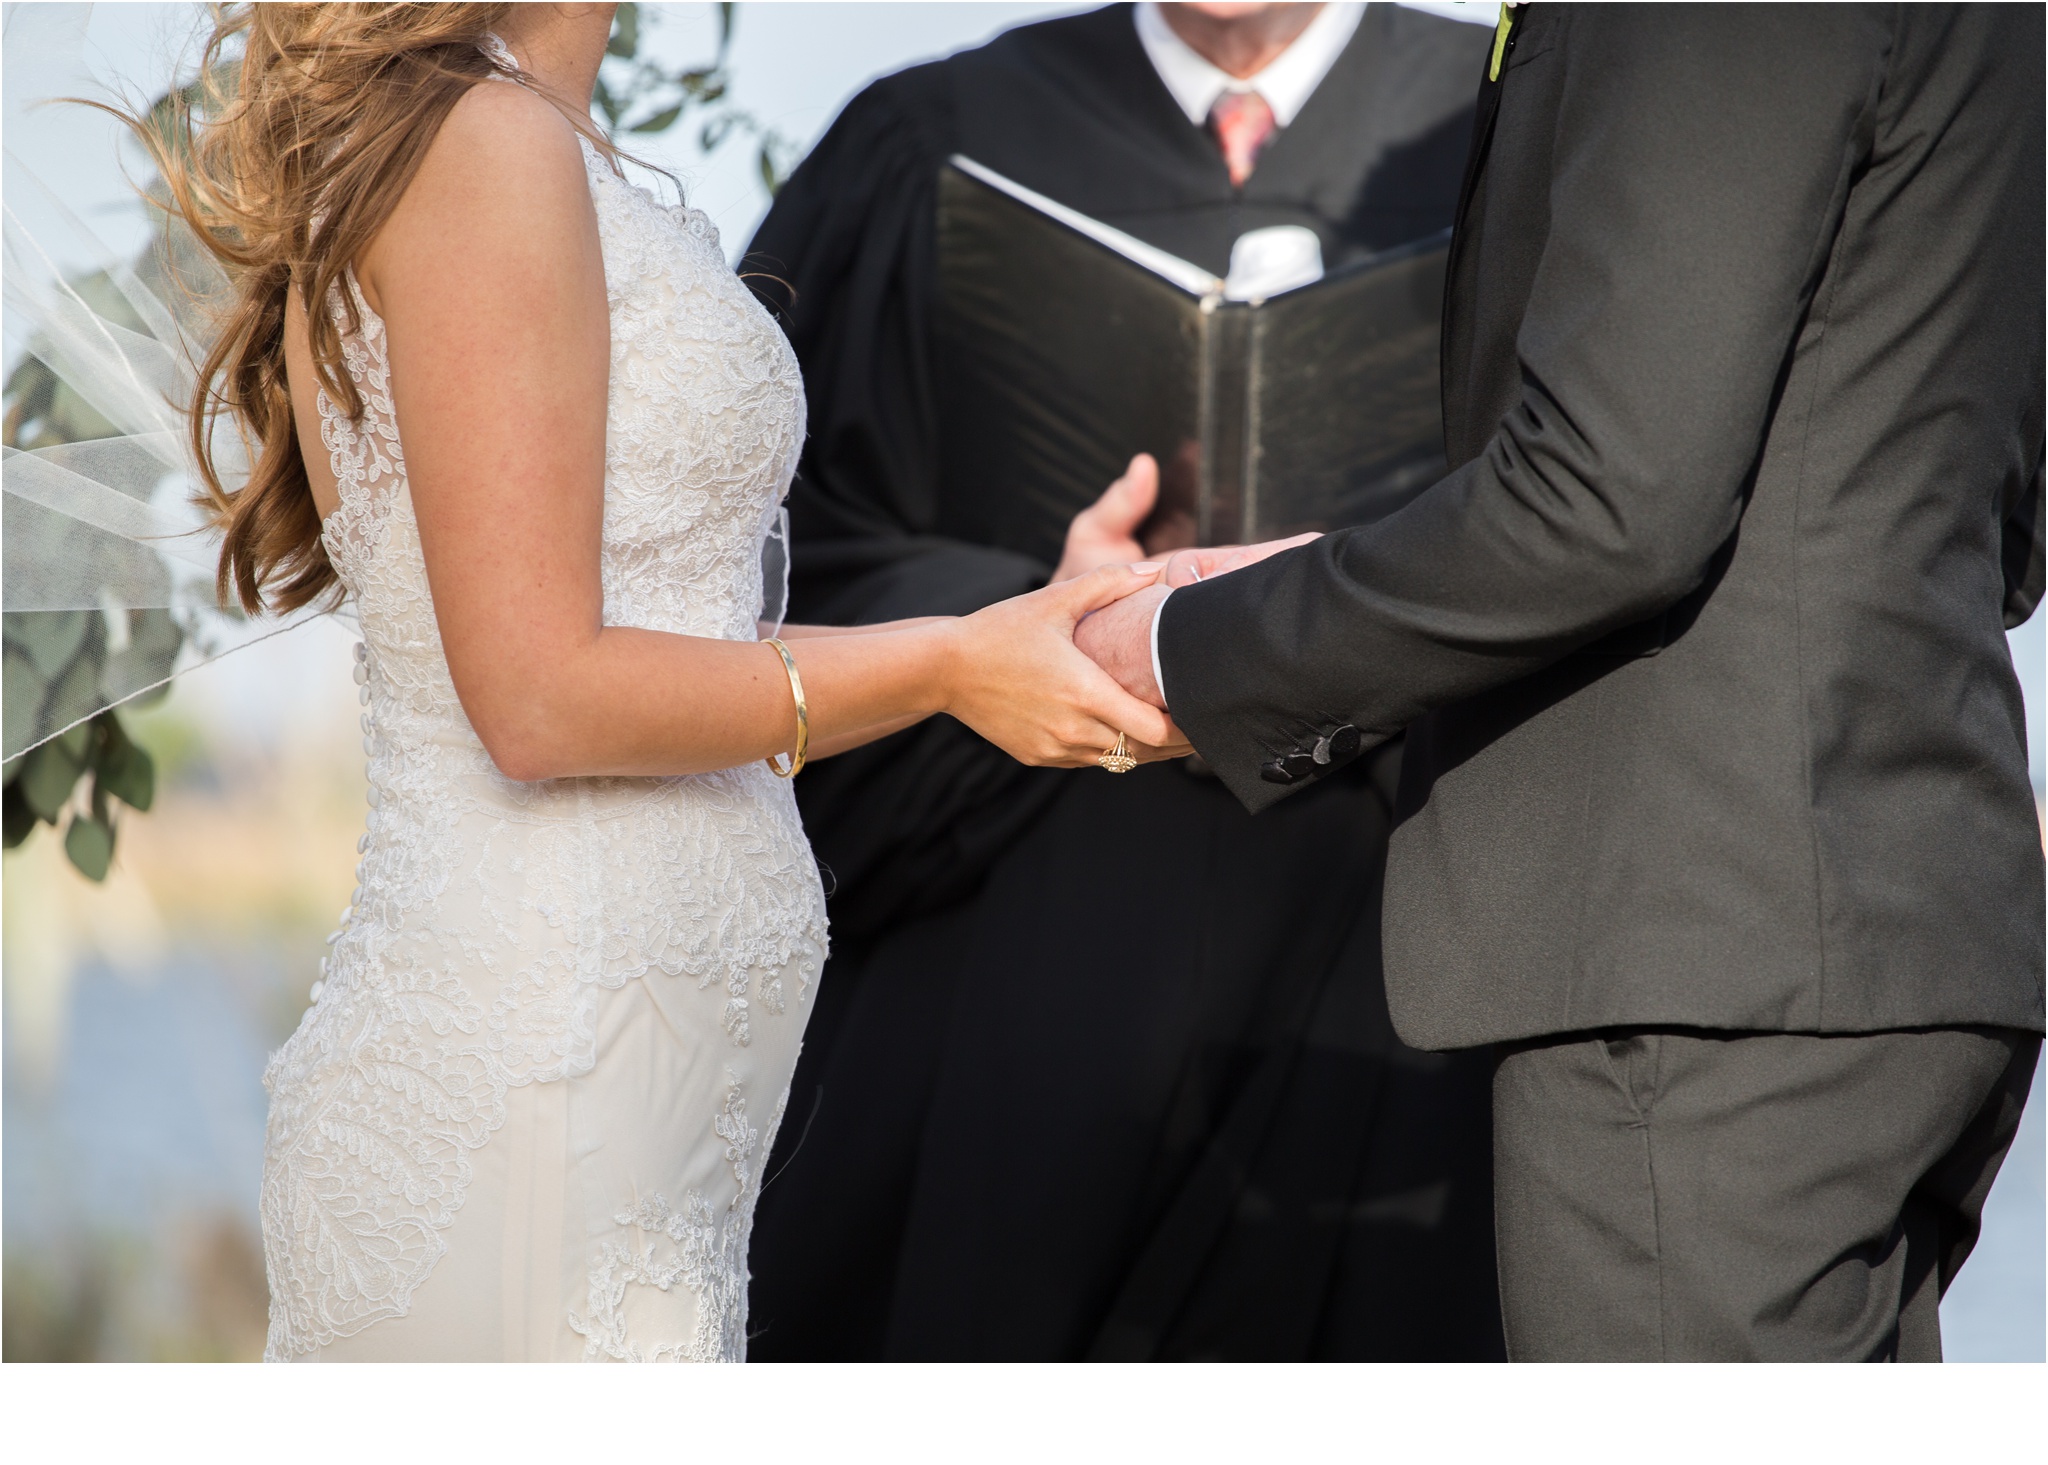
(1190, 277)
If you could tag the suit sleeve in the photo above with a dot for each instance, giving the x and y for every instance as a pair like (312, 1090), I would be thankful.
(2026, 565)
(1698, 171)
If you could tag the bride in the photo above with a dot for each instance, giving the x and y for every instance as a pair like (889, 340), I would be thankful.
(528, 420)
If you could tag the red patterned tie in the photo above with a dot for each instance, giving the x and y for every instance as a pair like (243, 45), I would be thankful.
(1243, 124)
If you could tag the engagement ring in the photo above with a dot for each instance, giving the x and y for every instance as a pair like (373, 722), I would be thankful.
(1118, 759)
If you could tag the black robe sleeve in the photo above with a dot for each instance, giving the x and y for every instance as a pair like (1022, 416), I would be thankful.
(909, 824)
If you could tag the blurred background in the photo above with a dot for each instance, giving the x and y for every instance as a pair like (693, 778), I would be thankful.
(138, 1011)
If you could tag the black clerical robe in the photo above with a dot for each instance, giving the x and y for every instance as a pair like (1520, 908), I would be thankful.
(1100, 1067)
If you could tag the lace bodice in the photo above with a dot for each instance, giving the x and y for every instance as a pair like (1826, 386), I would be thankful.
(489, 912)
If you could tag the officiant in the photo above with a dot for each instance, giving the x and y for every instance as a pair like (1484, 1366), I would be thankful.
(1100, 1067)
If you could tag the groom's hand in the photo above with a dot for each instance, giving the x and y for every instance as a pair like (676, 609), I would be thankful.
(1190, 566)
(1118, 638)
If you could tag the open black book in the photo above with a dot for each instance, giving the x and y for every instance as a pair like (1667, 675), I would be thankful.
(1064, 346)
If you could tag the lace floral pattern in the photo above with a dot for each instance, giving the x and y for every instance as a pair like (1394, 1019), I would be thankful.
(490, 914)
(706, 1252)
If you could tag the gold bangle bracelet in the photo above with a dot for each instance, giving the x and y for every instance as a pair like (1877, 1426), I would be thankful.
(803, 716)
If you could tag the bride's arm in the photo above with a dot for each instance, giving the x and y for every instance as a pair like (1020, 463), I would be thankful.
(847, 742)
(812, 633)
(491, 283)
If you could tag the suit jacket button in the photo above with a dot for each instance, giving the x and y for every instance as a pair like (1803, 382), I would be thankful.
(1292, 768)
(1345, 743)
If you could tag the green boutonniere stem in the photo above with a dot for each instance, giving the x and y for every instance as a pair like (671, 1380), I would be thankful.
(1500, 40)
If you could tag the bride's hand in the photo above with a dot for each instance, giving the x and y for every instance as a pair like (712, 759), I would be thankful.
(1016, 678)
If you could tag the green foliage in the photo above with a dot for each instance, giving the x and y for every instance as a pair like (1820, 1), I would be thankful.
(42, 787)
(61, 670)
(90, 844)
(62, 667)
(636, 94)
(59, 667)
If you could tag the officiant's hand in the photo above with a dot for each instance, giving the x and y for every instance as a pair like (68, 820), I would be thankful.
(1106, 532)
(1015, 677)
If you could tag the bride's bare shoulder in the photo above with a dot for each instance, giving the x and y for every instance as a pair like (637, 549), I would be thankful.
(504, 167)
(499, 120)
(506, 137)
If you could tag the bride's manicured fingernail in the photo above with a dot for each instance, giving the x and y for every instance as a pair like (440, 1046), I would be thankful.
(1149, 567)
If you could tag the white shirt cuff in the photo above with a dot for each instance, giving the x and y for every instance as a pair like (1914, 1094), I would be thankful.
(1158, 677)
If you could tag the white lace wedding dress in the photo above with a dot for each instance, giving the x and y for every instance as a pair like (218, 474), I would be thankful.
(527, 1114)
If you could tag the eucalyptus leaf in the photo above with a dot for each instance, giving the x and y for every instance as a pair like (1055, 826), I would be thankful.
(154, 640)
(17, 819)
(125, 771)
(90, 843)
(149, 698)
(21, 699)
(77, 740)
(660, 121)
(50, 637)
(48, 774)
(76, 696)
(625, 41)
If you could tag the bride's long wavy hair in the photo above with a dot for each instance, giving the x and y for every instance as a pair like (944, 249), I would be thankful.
(286, 160)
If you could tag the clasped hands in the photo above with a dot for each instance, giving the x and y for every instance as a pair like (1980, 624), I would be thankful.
(1103, 596)
(1118, 637)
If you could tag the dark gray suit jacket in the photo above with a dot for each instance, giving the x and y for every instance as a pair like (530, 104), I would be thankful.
(1701, 647)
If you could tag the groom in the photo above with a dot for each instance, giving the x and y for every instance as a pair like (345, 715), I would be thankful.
(1716, 808)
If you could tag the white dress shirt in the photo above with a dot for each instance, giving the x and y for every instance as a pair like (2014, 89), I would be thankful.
(1287, 81)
